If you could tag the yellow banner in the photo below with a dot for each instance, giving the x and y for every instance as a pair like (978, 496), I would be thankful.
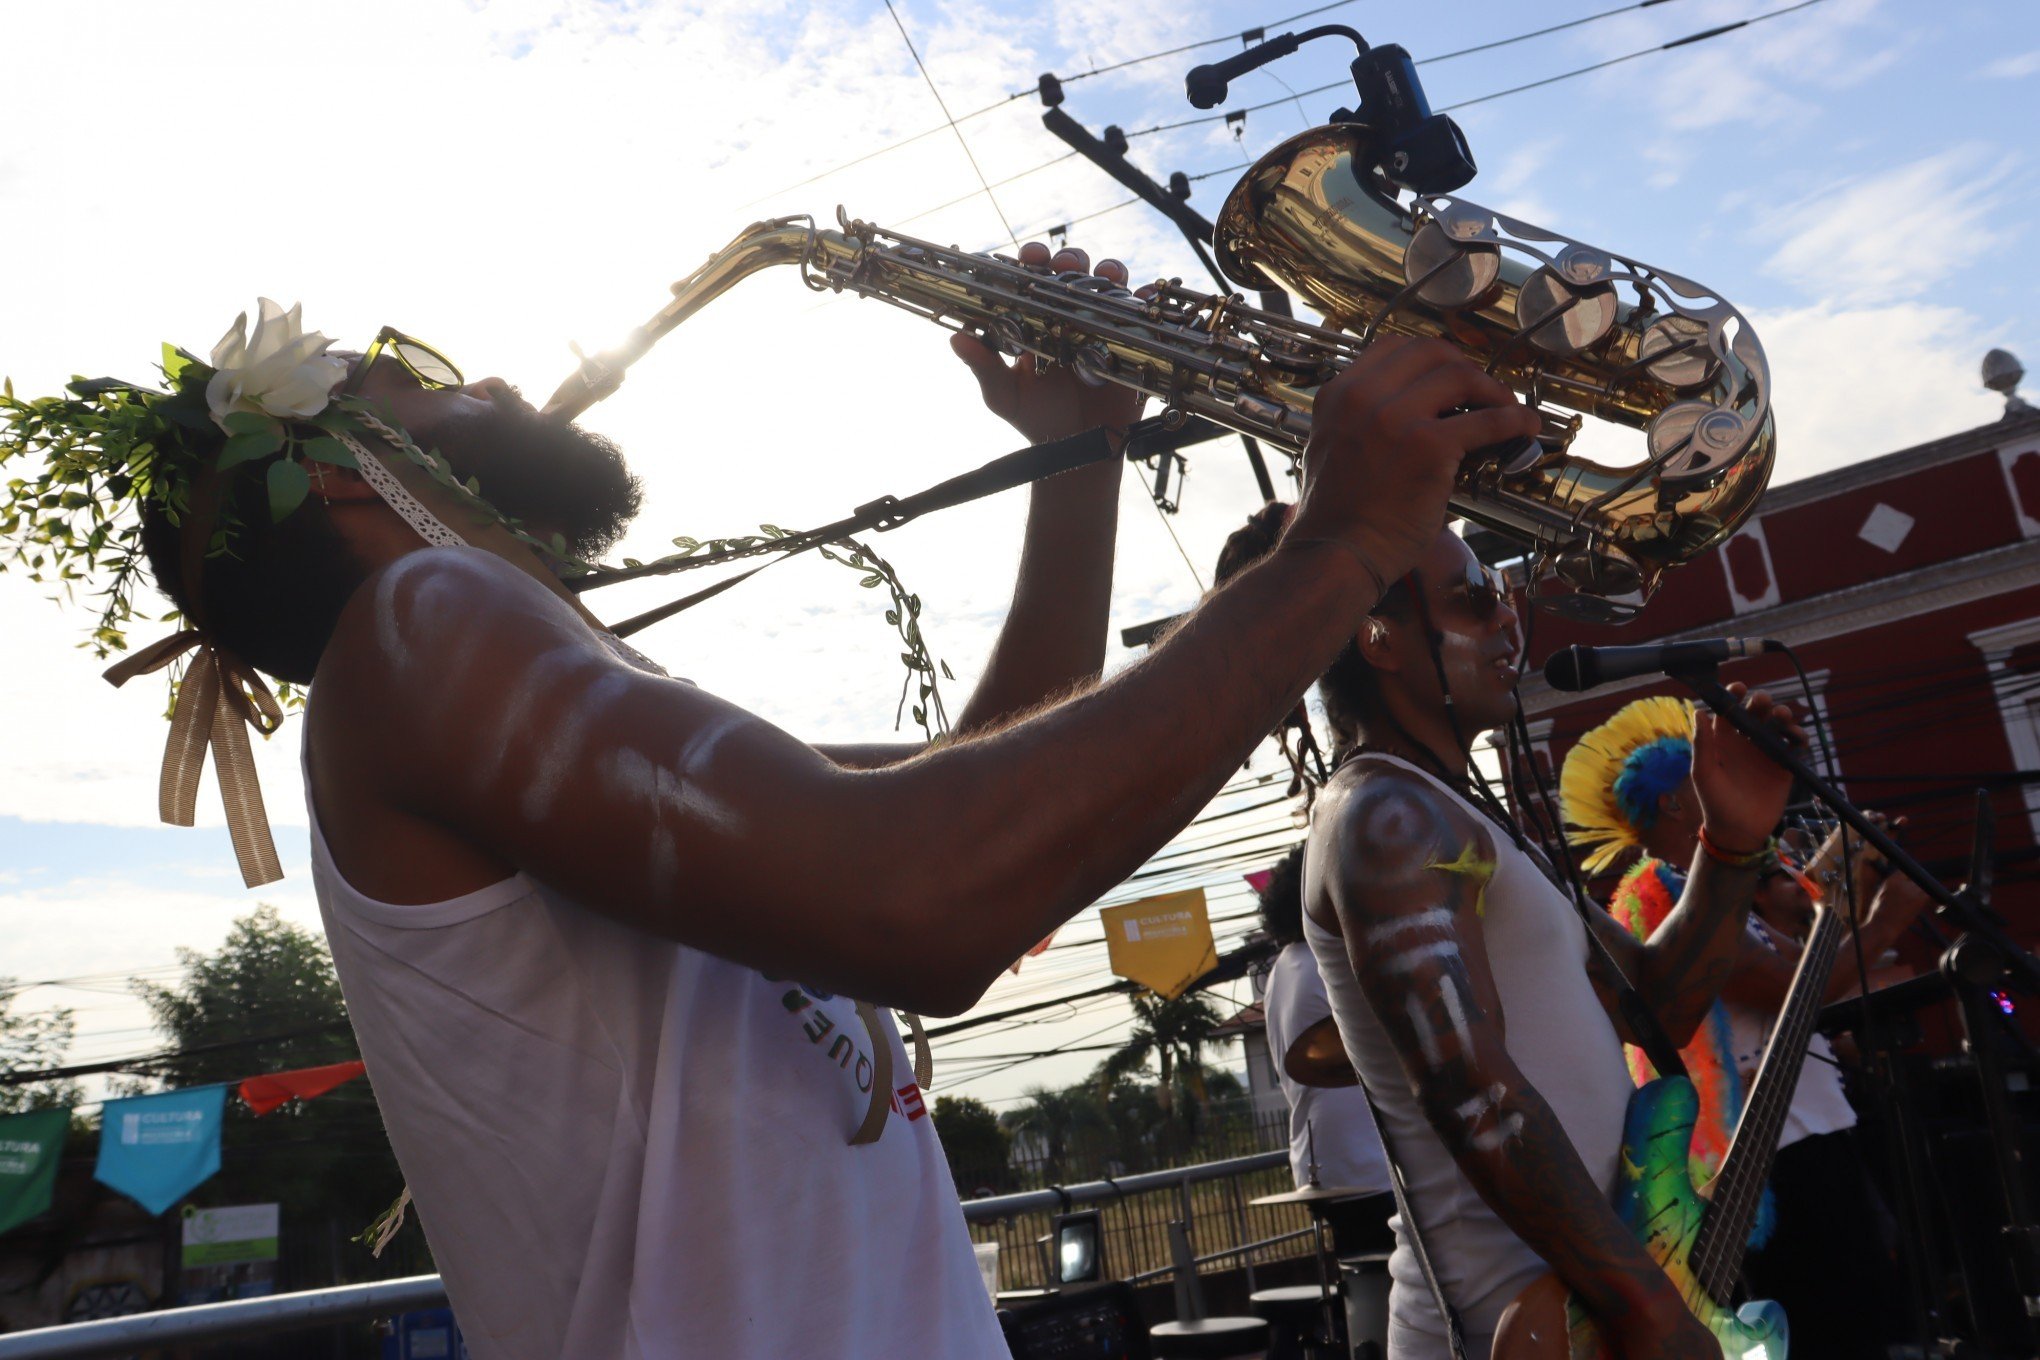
(1163, 943)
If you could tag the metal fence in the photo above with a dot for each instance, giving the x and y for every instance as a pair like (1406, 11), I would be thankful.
(1209, 1198)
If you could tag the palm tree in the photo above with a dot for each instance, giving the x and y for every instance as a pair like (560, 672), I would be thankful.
(1173, 1032)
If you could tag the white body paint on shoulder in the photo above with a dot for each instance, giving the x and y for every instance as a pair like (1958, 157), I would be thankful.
(1412, 959)
(389, 630)
(1437, 918)
(699, 751)
(1421, 1023)
(538, 680)
(1427, 1034)
(565, 743)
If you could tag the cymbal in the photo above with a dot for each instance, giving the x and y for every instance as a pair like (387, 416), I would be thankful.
(1313, 1194)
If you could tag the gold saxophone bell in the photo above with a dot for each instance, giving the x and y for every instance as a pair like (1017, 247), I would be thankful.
(1576, 330)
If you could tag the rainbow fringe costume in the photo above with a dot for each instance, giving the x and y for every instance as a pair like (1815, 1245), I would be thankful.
(1641, 901)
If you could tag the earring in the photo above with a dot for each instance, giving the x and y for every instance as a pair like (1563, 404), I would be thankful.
(319, 482)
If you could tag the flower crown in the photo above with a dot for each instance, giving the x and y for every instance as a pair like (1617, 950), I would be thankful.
(98, 456)
(95, 457)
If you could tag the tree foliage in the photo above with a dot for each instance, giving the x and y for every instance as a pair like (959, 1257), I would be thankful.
(974, 1143)
(30, 1042)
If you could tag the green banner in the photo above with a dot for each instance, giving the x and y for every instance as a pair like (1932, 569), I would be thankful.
(30, 1145)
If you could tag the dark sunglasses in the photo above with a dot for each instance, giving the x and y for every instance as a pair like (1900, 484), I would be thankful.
(432, 369)
(1480, 591)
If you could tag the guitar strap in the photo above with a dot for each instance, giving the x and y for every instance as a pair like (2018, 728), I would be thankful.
(1455, 1332)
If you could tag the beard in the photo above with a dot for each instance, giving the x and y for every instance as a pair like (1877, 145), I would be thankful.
(551, 477)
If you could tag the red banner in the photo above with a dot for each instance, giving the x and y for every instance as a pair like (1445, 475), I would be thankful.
(265, 1093)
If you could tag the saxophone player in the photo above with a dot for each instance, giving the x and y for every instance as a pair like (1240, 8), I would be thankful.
(617, 950)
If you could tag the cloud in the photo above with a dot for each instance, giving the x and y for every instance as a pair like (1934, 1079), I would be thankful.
(1853, 382)
(2015, 67)
(1893, 234)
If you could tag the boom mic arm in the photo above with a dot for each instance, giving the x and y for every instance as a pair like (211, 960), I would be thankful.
(1206, 86)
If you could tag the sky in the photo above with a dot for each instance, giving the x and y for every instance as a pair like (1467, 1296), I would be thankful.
(504, 177)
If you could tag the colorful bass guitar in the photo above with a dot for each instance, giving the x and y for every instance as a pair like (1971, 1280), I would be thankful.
(1699, 1242)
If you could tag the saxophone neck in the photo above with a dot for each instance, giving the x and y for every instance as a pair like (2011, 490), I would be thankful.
(781, 240)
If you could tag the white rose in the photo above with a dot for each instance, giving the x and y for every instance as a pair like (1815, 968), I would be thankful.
(279, 371)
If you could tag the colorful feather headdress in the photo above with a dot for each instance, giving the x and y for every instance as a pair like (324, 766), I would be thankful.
(1612, 780)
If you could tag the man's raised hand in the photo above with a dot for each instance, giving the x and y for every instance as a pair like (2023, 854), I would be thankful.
(1056, 403)
(1387, 439)
(1742, 791)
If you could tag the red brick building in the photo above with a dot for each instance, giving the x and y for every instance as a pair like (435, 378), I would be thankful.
(1909, 584)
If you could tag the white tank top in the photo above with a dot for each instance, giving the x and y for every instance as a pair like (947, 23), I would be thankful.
(1559, 1037)
(626, 1149)
(1328, 1124)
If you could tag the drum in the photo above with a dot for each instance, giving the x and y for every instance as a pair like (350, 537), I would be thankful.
(1363, 1285)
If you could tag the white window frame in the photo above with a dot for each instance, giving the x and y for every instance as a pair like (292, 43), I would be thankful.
(2018, 710)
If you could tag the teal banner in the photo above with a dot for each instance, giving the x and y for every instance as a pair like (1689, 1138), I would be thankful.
(158, 1149)
(29, 1147)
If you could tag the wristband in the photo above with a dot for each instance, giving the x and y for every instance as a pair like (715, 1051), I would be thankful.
(1373, 572)
(1728, 859)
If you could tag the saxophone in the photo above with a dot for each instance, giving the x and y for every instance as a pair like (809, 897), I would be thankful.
(1576, 330)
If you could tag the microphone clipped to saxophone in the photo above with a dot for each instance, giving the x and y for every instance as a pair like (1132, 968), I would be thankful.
(1360, 219)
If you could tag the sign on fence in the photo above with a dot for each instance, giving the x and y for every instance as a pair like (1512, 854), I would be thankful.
(230, 1252)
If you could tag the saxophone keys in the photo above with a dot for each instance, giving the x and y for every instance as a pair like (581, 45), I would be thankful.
(1093, 365)
(1677, 352)
(1450, 273)
(1692, 440)
(1563, 313)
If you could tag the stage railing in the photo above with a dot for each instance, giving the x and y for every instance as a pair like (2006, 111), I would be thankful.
(1218, 1189)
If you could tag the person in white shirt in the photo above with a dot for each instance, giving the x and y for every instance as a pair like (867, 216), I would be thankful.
(1332, 1139)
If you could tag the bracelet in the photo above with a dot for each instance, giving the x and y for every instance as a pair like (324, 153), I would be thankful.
(1729, 859)
(1373, 572)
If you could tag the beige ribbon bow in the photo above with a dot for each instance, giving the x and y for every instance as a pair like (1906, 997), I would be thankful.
(220, 698)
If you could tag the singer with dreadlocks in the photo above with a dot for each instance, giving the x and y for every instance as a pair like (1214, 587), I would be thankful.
(1466, 992)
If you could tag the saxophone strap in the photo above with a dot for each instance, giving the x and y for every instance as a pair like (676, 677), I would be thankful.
(885, 513)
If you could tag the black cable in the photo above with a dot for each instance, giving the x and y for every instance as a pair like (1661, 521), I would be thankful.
(1688, 40)
(943, 104)
(1035, 89)
(157, 1059)
(1241, 37)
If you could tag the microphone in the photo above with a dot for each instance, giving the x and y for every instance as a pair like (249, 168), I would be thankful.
(1205, 86)
(1578, 668)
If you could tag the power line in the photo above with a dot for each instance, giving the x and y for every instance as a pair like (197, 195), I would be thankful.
(944, 106)
(1034, 89)
(1688, 40)
(157, 1059)
(1538, 33)
(1242, 36)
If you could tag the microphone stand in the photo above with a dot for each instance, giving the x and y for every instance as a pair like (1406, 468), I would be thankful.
(1979, 958)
